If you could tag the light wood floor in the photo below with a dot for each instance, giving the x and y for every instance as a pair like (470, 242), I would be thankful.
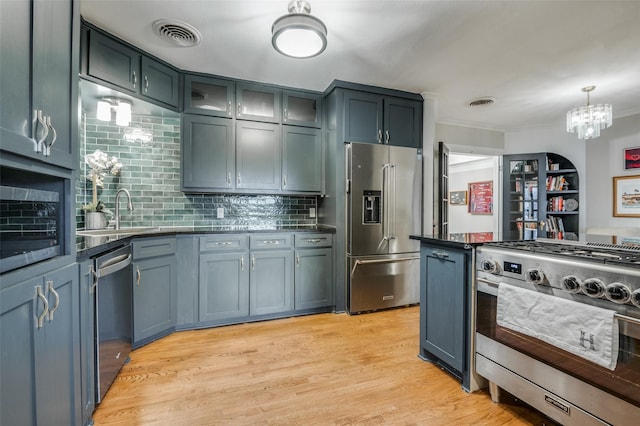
(327, 369)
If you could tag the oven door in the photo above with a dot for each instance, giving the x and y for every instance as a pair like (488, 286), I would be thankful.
(568, 382)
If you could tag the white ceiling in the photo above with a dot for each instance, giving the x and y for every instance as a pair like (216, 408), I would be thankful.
(532, 56)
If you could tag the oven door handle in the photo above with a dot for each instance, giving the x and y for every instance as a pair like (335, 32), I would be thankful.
(626, 318)
(491, 283)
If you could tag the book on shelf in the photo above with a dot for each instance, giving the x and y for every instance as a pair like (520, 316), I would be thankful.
(557, 183)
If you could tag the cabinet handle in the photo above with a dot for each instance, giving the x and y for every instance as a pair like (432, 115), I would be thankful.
(242, 263)
(229, 109)
(146, 84)
(135, 79)
(286, 114)
(253, 263)
(229, 179)
(57, 302)
(45, 306)
(298, 259)
(224, 243)
(239, 179)
(314, 240)
(441, 254)
(138, 275)
(92, 288)
(284, 181)
(47, 147)
(239, 109)
(379, 135)
(276, 242)
(386, 137)
(45, 130)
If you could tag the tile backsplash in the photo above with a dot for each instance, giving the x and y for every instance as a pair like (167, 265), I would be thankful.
(152, 175)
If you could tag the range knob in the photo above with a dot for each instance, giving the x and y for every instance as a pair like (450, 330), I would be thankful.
(635, 297)
(618, 292)
(534, 276)
(571, 284)
(593, 287)
(490, 266)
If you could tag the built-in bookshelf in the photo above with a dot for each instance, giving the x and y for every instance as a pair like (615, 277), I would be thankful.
(540, 197)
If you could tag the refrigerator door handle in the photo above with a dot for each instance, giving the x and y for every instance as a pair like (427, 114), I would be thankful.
(392, 236)
(385, 202)
(366, 262)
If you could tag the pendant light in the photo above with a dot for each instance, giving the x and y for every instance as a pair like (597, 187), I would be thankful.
(298, 34)
(122, 108)
(588, 120)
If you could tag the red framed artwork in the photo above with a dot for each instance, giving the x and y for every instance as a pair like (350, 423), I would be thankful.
(632, 158)
(481, 197)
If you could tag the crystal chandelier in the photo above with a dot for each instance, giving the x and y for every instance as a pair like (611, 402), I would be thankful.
(589, 120)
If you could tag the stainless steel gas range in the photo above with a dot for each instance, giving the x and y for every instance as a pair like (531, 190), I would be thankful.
(558, 326)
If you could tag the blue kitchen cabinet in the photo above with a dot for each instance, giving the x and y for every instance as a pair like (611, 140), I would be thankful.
(224, 278)
(38, 79)
(40, 350)
(114, 63)
(302, 159)
(301, 108)
(445, 304)
(271, 288)
(258, 156)
(313, 271)
(389, 120)
(154, 288)
(258, 102)
(208, 154)
(209, 96)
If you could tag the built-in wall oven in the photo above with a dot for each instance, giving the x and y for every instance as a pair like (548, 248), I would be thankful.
(113, 319)
(564, 289)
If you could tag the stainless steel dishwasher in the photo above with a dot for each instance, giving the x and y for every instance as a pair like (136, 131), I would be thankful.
(113, 324)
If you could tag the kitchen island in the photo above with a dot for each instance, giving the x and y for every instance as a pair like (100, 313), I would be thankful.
(447, 305)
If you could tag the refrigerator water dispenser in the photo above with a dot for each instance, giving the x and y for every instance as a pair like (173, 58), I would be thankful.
(371, 207)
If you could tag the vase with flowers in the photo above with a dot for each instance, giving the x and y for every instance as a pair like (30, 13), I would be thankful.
(100, 165)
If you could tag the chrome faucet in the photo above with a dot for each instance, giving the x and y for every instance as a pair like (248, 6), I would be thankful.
(129, 206)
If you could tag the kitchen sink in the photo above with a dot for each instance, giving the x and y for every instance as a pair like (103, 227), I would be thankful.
(121, 231)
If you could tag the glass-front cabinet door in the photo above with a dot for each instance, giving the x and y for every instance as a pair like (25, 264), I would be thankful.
(209, 96)
(258, 103)
(301, 109)
(524, 208)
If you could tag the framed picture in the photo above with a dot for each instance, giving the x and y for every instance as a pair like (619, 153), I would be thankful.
(632, 158)
(626, 196)
(481, 197)
(458, 198)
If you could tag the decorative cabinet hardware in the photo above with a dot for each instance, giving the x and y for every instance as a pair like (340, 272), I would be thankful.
(441, 254)
(45, 306)
(146, 84)
(57, 302)
(138, 275)
(135, 79)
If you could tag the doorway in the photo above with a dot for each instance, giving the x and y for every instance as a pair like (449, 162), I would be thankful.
(474, 193)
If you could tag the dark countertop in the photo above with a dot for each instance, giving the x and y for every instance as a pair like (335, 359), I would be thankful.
(461, 240)
(89, 246)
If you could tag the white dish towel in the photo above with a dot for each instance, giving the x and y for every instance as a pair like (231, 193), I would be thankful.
(584, 330)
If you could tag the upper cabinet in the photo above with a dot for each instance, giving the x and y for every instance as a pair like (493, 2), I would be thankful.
(110, 61)
(374, 118)
(301, 109)
(258, 103)
(209, 96)
(39, 89)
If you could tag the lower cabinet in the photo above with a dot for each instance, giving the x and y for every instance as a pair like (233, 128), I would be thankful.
(314, 271)
(40, 350)
(154, 288)
(271, 282)
(224, 286)
(445, 293)
(87, 341)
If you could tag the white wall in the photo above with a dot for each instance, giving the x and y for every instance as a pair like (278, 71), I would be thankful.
(597, 161)
(460, 220)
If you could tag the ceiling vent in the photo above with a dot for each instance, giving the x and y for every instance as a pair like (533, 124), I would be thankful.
(482, 101)
(177, 33)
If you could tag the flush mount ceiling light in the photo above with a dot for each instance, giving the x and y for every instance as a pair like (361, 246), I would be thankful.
(298, 34)
(589, 120)
(122, 108)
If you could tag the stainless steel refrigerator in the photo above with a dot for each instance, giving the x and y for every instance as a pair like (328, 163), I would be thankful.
(384, 207)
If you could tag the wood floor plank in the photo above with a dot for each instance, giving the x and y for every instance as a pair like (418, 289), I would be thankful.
(326, 369)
